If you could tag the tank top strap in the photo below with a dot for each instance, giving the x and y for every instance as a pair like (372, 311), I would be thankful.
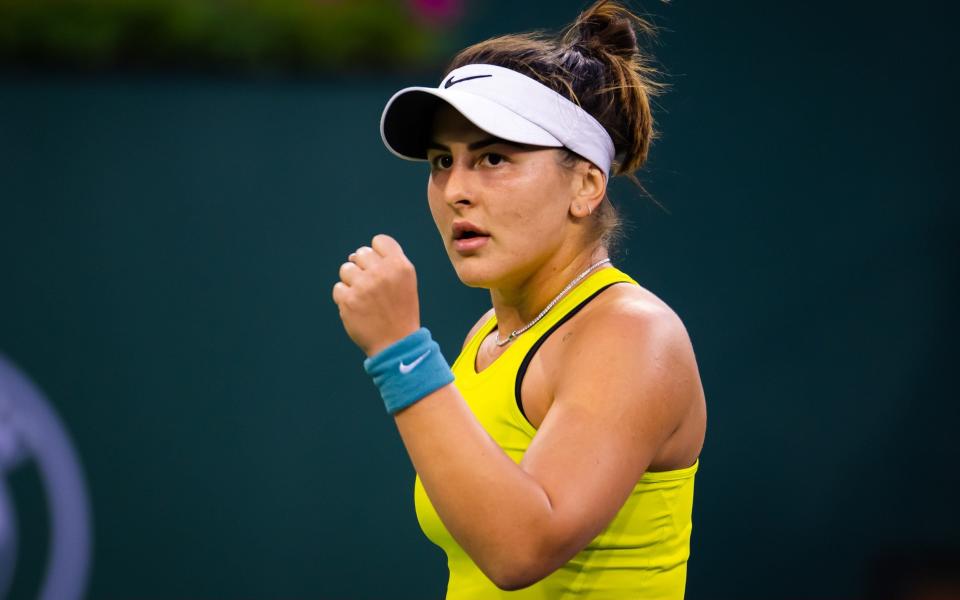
(576, 298)
(569, 305)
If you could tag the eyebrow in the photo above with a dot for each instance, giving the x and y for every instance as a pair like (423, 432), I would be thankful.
(490, 141)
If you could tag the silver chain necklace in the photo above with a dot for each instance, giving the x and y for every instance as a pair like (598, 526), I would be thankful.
(556, 299)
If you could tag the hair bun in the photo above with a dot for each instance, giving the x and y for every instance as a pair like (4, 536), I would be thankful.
(607, 27)
(618, 77)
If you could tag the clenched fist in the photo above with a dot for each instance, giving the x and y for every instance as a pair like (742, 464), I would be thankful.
(377, 295)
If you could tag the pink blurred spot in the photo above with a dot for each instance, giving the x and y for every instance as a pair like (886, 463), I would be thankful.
(437, 12)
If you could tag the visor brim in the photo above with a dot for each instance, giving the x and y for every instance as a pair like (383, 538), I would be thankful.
(406, 125)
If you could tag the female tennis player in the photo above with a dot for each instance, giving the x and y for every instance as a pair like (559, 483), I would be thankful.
(556, 459)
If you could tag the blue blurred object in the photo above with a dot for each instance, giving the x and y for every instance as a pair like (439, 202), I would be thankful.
(29, 429)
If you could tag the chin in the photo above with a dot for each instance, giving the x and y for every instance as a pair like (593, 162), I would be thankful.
(470, 278)
(472, 271)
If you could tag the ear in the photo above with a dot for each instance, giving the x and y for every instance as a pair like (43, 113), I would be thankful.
(589, 189)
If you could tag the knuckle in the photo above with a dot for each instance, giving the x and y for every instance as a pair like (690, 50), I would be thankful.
(348, 302)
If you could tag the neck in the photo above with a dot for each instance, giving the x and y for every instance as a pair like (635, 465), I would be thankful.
(519, 304)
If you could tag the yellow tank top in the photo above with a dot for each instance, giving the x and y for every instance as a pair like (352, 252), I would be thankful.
(641, 554)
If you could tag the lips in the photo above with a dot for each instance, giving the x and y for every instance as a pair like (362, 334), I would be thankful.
(468, 237)
(467, 230)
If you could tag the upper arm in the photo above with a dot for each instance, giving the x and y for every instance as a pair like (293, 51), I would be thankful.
(623, 385)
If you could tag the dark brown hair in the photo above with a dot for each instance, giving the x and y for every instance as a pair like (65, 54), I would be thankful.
(597, 63)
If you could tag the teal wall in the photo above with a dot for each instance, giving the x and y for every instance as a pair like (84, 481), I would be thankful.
(168, 246)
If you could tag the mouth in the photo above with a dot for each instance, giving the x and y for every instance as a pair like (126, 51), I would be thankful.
(468, 237)
(465, 230)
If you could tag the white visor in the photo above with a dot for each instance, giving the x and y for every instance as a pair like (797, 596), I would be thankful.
(502, 102)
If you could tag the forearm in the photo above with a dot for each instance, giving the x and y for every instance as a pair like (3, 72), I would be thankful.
(495, 510)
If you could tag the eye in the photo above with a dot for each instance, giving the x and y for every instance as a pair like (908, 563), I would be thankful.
(493, 159)
(441, 161)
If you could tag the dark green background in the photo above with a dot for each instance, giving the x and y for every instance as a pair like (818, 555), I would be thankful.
(168, 246)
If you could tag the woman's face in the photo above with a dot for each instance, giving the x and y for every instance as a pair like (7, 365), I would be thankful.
(502, 209)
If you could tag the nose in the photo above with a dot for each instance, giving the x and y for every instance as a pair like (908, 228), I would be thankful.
(458, 186)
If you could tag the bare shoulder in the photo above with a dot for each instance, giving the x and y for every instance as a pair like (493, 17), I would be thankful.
(476, 327)
(627, 314)
(632, 335)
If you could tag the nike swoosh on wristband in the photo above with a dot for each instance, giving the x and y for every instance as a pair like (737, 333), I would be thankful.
(452, 82)
(407, 368)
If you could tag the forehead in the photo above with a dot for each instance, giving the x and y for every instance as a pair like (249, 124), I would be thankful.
(450, 126)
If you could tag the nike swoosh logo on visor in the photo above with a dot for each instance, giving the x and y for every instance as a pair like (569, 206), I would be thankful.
(407, 368)
(451, 81)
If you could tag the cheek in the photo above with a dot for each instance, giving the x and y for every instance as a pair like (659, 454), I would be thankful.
(434, 202)
(537, 206)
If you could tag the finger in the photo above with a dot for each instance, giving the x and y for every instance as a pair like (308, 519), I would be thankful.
(386, 245)
(340, 290)
(365, 257)
(349, 273)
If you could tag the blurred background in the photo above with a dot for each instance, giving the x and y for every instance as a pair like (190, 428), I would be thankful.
(181, 179)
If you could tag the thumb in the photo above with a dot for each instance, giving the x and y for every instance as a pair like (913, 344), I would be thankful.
(384, 245)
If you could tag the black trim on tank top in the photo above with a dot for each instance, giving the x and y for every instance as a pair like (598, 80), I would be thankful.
(536, 346)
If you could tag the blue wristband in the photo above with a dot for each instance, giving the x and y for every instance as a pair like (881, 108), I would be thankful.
(408, 370)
